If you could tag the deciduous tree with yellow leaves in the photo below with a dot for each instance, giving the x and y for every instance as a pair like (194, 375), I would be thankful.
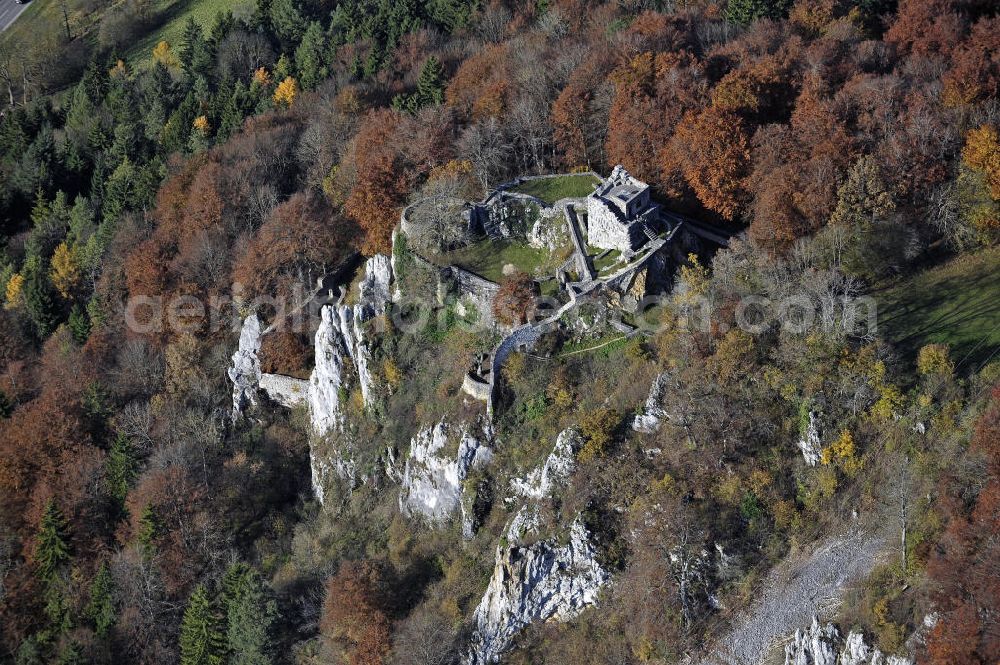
(65, 271)
(164, 54)
(286, 91)
(12, 295)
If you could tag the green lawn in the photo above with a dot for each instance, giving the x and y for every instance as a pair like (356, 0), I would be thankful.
(171, 15)
(957, 303)
(44, 17)
(487, 258)
(551, 190)
(606, 262)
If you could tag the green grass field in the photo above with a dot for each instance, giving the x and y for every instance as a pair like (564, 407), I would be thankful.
(41, 17)
(957, 303)
(171, 17)
(607, 262)
(45, 17)
(551, 190)
(487, 258)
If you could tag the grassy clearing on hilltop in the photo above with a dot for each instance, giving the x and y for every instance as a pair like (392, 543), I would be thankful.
(957, 303)
(553, 189)
(488, 258)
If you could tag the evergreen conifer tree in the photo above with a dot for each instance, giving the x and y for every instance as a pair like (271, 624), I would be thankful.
(39, 301)
(51, 546)
(121, 468)
(196, 57)
(149, 531)
(79, 324)
(430, 85)
(310, 58)
(101, 610)
(201, 640)
(251, 614)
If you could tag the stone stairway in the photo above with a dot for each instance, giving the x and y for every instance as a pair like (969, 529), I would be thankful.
(586, 271)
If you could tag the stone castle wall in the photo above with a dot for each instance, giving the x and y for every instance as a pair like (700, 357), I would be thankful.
(605, 227)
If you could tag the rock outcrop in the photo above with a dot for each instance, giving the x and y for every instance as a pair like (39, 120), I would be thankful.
(328, 374)
(537, 578)
(549, 232)
(245, 370)
(536, 582)
(558, 466)
(249, 382)
(822, 645)
(341, 344)
(341, 336)
(433, 480)
(810, 443)
(653, 413)
(375, 294)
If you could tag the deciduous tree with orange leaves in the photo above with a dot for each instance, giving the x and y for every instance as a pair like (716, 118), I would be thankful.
(382, 181)
(712, 150)
(354, 613)
(964, 565)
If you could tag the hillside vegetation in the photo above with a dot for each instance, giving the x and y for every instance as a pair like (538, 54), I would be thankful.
(170, 170)
(957, 304)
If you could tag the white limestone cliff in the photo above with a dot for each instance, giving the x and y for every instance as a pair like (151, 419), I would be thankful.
(558, 466)
(822, 645)
(341, 335)
(341, 338)
(245, 370)
(653, 412)
(374, 297)
(433, 480)
(537, 578)
(328, 374)
(536, 582)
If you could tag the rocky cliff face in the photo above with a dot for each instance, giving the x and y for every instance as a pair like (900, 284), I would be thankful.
(535, 578)
(433, 480)
(327, 376)
(653, 412)
(342, 351)
(245, 370)
(536, 582)
(822, 645)
(341, 337)
(558, 466)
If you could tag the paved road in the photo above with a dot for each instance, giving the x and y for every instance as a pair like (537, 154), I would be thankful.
(9, 11)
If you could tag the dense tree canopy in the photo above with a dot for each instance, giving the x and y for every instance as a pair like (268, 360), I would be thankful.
(852, 141)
